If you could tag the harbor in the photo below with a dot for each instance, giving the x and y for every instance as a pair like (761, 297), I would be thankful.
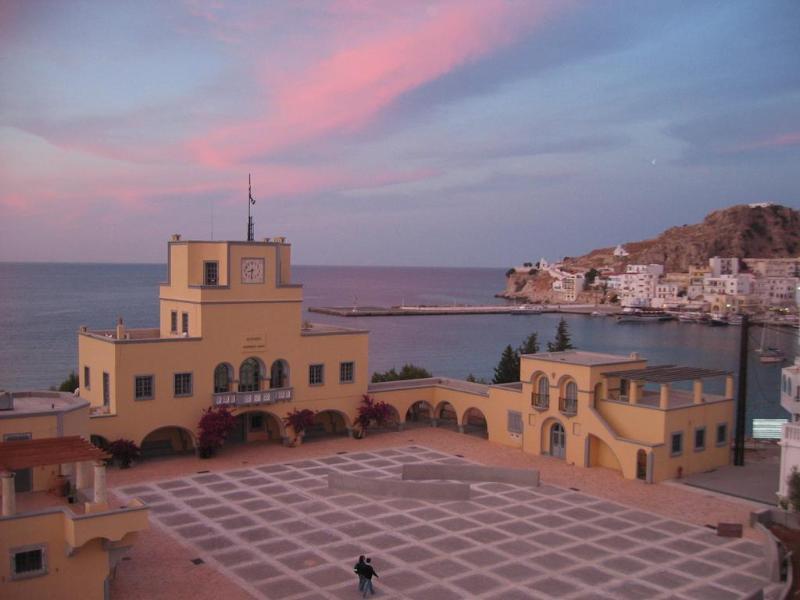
(462, 309)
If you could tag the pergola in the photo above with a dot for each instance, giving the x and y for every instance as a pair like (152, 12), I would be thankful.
(25, 454)
(664, 375)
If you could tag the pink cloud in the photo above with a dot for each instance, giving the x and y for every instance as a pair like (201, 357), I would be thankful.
(348, 88)
(779, 140)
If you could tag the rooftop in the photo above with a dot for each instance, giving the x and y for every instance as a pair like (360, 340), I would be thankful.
(584, 358)
(24, 454)
(42, 403)
(667, 374)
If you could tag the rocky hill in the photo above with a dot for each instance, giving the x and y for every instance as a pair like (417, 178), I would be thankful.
(757, 231)
(741, 231)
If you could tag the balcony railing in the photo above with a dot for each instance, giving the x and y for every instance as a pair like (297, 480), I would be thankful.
(568, 406)
(791, 432)
(540, 401)
(234, 399)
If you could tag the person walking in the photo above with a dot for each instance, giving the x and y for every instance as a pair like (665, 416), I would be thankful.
(368, 572)
(358, 569)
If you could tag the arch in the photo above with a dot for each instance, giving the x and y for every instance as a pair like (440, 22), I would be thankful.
(473, 422)
(563, 382)
(279, 374)
(167, 440)
(223, 378)
(393, 423)
(601, 454)
(420, 413)
(541, 391)
(554, 438)
(251, 373)
(598, 392)
(257, 425)
(329, 423)
(446, 415)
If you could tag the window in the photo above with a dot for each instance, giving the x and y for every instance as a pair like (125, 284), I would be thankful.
(722, 434)
(347, 372)
(106, 389)
(222, 379)
(250, 375)
(699, 439)
(210, 271)
(143, 387)
(173, 321)
(185, 323)
(571, 391)
(544, 387)
(28, 561)
(676, 446)
(315, 374)
(183, 384)
(256, 422)
(624, 389)
(514, 421)
(87, 382)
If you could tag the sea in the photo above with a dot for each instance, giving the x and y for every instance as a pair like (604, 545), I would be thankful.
(42, 306)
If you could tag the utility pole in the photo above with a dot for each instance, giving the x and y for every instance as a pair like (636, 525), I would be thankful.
(741, 398)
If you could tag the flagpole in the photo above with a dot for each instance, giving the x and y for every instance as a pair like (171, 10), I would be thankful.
(250, 202)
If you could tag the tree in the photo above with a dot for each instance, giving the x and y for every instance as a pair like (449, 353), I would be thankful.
(562, 341)
(591, 275)
(507, 370)
(530, 345)
(70, 384)
(472, 379)
(215, 425)
(408, 371)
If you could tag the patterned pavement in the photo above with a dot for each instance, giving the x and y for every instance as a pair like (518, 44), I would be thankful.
(281, 533)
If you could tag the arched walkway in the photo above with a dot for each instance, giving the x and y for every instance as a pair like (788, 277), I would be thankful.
(419, 414)
(328, 423)
(474, 423)
(554, 438)
(446, 416)
(392, 424)
(601, 454)
(257, 425)
(166, 441)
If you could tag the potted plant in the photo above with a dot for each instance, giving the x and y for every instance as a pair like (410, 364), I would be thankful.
(215, 425)
(124, 452)
(371, 413)
(299, 421)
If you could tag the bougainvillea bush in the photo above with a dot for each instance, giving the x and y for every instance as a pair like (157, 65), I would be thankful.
(215, 425)
(124, 452)
(300, 420)
(371, 413)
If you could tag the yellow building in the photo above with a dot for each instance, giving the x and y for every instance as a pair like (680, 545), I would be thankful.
(231, 333)
(589, 409)
(58, 536)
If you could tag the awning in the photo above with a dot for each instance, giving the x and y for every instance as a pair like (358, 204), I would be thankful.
(24, 454)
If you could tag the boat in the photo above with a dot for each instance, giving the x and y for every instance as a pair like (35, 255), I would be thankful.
(597, 313)
(644, 316)
(691, 317)
(718, 320)
(734, 319)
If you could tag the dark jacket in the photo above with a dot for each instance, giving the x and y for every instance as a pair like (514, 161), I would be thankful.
(367, 571)
(358, 569)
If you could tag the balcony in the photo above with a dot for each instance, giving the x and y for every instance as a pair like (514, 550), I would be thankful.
(238, 399)
(568, 406)
(540, 401)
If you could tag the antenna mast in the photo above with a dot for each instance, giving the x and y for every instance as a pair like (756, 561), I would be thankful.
(250, 203)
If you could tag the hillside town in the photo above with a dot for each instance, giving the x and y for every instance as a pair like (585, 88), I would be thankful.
(724, 286)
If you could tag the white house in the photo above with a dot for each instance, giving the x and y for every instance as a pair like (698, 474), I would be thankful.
(790, 438)
(620, 251)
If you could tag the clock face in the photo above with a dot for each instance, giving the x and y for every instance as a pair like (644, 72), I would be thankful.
(252, 270)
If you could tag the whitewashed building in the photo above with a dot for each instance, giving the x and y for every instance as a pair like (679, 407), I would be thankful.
(790, 438)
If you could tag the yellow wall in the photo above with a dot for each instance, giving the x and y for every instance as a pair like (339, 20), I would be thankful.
(71, 577)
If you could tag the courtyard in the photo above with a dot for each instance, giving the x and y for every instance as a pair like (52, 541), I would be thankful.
(275, 530)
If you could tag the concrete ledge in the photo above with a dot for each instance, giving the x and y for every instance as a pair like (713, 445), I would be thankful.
(399, 489)
(472, 473)
(772, 554)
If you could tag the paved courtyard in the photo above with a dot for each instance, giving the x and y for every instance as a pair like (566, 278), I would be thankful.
(279, 532)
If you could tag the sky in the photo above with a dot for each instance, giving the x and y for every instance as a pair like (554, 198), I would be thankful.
(421, 133)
